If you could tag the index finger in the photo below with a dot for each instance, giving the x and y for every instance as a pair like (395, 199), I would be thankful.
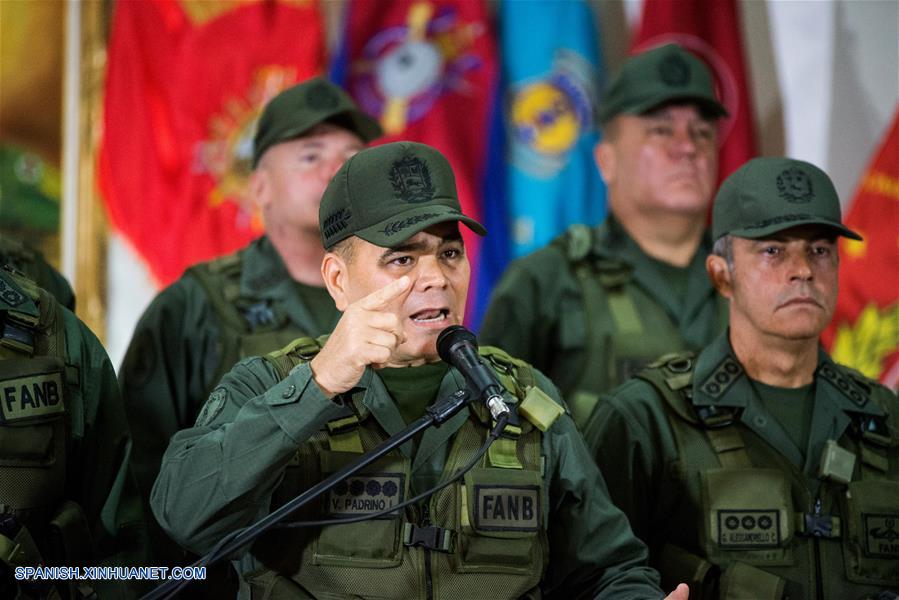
(380, 298)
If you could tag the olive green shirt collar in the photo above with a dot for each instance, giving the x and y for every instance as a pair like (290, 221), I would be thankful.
(371, 397)
(719, 380)
(613, 244)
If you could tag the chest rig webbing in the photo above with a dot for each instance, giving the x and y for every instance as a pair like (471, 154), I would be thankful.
(710, 443)
(248, 327)
(37, 433)
(617, 344)
(488, 529)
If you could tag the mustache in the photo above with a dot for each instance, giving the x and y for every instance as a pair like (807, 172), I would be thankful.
(804, 293)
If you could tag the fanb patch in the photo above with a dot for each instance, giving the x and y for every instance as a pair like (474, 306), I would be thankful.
(749, 528)
(881, 535)
(37, 395)
(794, 186)
(411, 180)
(507, 508)
(674, 71)
(365, 494)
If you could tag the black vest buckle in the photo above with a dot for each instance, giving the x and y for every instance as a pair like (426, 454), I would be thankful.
(432, 537)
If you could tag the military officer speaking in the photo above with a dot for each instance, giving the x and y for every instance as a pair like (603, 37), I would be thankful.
(596, 305)
(759, 468)
(532, 517)
(258, 299)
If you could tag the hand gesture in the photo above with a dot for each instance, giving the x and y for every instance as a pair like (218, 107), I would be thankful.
(367, 334)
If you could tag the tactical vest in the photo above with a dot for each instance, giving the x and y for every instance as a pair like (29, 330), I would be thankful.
(247, 327)
(484, 536)
(613, 328)
(751, 527)
(38, 434)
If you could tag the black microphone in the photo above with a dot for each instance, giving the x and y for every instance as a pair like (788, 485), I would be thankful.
(459, 347)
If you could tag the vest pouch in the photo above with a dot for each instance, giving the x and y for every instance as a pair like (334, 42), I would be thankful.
(748, 516)
(370, 543)
(501, 517)
(745, 582)
(871, 532)
(32, 435)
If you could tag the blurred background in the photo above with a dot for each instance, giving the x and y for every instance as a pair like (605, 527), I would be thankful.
(125, 127)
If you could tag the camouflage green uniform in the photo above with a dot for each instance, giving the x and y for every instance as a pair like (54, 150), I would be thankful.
(63, 438)
(267, 433)
(712, 482)
(592, 310)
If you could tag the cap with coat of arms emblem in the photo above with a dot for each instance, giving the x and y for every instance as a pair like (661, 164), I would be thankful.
(663, 74)
(298, 109)
(767, 195)
(388, 193)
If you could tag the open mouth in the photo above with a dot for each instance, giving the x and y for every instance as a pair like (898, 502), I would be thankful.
(431, 315)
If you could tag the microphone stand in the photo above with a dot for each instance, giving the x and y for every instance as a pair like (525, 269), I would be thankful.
(434, 415)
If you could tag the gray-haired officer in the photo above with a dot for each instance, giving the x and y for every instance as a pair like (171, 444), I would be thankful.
(597, 305)
(759, 468)
(256, 300)
(531, 519)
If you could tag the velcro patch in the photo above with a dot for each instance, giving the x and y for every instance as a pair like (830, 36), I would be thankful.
(366, 494)
(37, 395)
(749, 528)
(881, 535)
(507, 508)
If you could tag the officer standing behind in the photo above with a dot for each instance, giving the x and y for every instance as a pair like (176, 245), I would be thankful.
(595, 306)
(63, 443)
(760, 468)
(532, 516)
(258, 299)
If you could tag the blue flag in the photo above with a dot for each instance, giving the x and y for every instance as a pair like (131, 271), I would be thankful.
(552, 67)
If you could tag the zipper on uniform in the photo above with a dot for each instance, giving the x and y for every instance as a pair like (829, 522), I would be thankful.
(819, 584)
(426, 522)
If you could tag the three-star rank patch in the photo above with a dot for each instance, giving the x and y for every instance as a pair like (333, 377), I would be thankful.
(748, 529)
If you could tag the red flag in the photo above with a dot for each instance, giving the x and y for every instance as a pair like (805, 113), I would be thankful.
(427, 70)
(185, 84)
(864, 333)
(710, 29)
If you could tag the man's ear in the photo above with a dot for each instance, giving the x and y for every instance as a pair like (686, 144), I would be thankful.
(258, 188)
(604, 155)
(334, 271)
(720, 275)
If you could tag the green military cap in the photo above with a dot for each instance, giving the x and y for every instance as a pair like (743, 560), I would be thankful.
(659, 75)
(388, 193)
(767, 195)
(298, 109)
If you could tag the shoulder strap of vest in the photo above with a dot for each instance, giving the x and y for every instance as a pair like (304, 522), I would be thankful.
(299, 351)
(672, 377)
(220, 279)
(520, 378)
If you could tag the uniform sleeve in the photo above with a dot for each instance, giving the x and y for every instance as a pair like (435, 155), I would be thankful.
(520, 318)
(593, 552)
(101, 456)
(632, 445)
(219, 476)
(164, 374)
